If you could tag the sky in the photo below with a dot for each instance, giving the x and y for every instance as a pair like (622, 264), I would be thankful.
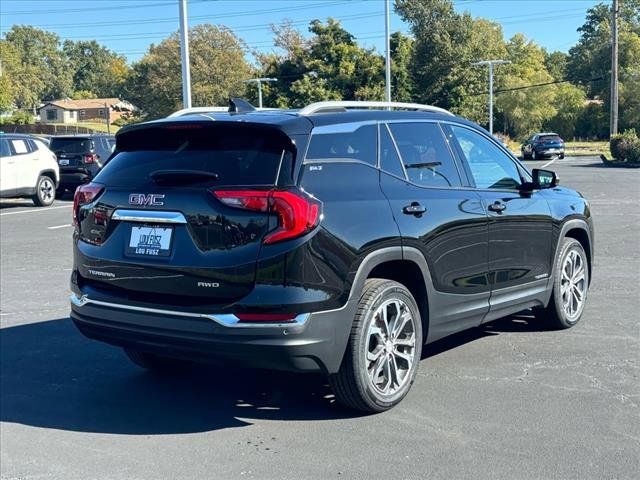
(130, 26)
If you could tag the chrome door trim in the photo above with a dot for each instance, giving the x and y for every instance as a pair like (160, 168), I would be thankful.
(149, 216)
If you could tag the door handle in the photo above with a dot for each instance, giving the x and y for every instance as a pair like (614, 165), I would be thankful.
(497, 206)
(414, 209)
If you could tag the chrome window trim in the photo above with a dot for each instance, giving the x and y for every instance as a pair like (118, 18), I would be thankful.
(149, 216)
(227, 320)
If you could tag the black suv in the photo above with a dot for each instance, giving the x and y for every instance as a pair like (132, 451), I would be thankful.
(339, 239)
(80, 157)
(542, 145)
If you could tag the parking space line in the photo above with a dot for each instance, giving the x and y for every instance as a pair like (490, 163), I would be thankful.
(35, 210)
(59, 226)
(549, 162)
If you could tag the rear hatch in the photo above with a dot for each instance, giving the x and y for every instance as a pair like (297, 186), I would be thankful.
(73, 153)
(551, 141)
(160, 225)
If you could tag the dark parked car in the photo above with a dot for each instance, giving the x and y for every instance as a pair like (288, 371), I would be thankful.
(80, 157)
(329, 239)
(542, 145)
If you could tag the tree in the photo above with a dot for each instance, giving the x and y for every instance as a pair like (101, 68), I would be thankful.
(401, 47)
(525, 109)
(570, 104)
(218, 68)
(556, 64)
(44, 73)
(95, 68)
(11, 72)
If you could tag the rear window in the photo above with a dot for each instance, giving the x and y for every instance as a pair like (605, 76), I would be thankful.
(71, 145)
(238, 155)
(549, 138)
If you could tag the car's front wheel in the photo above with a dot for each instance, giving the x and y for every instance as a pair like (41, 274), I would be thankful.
(570, 287)
(384, 349)
(45, 192)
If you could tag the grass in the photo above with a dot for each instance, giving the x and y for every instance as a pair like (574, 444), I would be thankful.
(574, 149)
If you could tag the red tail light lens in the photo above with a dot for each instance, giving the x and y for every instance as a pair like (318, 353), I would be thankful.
(90, 158)
(85, 194)
(265, 317)
(297, 213)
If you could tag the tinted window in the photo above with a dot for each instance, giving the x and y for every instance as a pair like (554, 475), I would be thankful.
(490, 166)
(239, 156)
(71, 145)
(549, 138)
(344, 142)
(5, 151)
(389, 159)
(425, 154)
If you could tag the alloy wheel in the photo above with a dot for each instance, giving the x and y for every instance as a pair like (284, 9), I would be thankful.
(573, 285)
(391, 341)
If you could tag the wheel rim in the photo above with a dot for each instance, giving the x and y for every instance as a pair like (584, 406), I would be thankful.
(573, 284)
(391, 341)
(46, 190)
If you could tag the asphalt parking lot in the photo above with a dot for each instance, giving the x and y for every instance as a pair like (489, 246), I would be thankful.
(508, 400)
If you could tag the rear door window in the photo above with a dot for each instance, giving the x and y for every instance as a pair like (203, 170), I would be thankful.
(425, 154)
(344, 142)
(238, 155)
(20, 147)
(389, 159)
(71, 145)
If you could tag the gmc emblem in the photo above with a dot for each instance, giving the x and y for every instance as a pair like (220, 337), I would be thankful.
(152, 199)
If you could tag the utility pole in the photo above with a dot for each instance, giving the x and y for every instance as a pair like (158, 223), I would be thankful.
(490, 63)
(184, 55)
(259, 82)
(107, 115)
(388, 51)
(613, 125)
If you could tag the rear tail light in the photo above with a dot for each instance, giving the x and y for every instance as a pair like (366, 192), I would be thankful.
(266, 317)
(85, 194)
(297, 213)
(89, 158)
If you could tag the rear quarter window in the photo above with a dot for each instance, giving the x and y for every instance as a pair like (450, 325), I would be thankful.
(349, 142)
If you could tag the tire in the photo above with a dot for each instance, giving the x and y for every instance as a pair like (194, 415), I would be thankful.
(353, 386)
(45, 192)
(564, 309)
(561, 156)
(154, 363)
(534, 155)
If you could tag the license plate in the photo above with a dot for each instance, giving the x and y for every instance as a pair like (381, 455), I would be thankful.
(150, 241)
(63, 162)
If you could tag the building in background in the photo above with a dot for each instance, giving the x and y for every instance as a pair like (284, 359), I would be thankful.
(85, 110)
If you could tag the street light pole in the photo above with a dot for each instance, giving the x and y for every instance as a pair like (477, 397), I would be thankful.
(490, 63)
(388, 51)
(259, 82)
(614, 71)
(184, 54)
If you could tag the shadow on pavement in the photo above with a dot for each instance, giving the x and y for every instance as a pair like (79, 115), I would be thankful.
(52, 377)
(15, 204)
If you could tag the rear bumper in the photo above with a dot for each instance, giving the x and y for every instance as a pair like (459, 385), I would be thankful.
(315, 342)
(73, 179)
(549, 151)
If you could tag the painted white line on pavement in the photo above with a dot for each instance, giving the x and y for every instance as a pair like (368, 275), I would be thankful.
(36, 210)
(549, 162)
(59, 226)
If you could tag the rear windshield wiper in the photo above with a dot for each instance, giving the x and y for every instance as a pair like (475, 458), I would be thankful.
(182, 176)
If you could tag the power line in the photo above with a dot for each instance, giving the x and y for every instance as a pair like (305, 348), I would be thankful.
(525, 87)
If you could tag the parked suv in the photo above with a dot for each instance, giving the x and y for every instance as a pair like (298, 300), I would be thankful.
(542, 145)
(27, 169)
(81, 157)
(339, 238)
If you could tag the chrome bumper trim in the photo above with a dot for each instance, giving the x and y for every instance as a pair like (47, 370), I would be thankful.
(149, 216)
(225, 320)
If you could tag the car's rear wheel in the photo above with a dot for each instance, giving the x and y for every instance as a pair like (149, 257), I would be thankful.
(570, 287)
(561, 156)
(45, 192)
(384, 349)
(534, 155)
(153, 362)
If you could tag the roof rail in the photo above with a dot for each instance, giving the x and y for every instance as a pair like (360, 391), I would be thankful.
(189, 111)
(333, 106)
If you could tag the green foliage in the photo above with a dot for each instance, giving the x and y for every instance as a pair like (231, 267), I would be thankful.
(625, 147)
(569, 103)
(127, 120)
(18, 118)
(83, 94)
(95, 68)
(402, 85)
(218, 68)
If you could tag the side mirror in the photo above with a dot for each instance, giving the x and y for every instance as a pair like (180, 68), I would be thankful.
(544, 179)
